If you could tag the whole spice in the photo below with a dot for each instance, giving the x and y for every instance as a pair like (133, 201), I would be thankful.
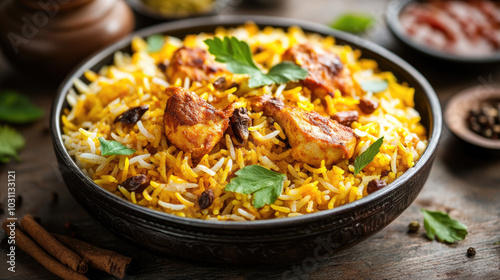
(414, 226)
(367, 106)
(46, 260)
(133, 115)
(136, 184)
(485, 120)
(240, 121)
(52, 246)
(111, 262)
(471, 252)
(375, 185)
(346, 117)
(206, 199)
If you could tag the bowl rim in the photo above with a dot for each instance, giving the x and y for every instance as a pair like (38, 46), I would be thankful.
(97, 57)
(394, 9)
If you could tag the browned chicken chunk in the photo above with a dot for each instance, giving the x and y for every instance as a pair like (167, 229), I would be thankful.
(195, 63)
(326, 71)
(192, 124)
(313, 138)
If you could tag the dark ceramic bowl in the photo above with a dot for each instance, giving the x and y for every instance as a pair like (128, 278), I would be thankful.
(278, 241)
(392, 16)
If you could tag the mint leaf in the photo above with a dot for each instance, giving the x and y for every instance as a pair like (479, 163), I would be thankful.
(11, 142)
(114, 148)
(440, 225)
(238, 57)
(367, 156)
(155, 43)
(265, 185)
(352, 22)
(374, 85)
(17, 108)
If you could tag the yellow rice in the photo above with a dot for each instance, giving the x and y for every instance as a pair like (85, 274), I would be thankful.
(176, 181)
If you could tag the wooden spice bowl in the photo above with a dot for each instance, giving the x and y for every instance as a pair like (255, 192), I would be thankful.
(458, 110)
(310, 237)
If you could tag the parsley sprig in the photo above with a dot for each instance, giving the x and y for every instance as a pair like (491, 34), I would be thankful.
(238, 57)
(265, 185)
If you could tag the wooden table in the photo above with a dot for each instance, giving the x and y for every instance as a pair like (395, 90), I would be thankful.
(465, 181)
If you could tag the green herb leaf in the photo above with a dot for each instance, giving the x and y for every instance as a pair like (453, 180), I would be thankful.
(353, 23)
(374, 85)
(238, 57)
(11, 142)
(155, 43)
(440, 225)
(367, 156)
(114, 148)
(496, 243)
(265, 185)
(18, 109)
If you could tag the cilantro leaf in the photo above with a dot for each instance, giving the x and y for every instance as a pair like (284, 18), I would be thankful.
(113, 148)
(18, 109)
(440, 225)
(352, 22)
(374, 85)
(238, 57)
(155, 43)
(11, 142)
(367, 156)
(265, 185)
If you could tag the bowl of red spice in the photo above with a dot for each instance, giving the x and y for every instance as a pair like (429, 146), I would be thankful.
(451, 30)
(474, 115)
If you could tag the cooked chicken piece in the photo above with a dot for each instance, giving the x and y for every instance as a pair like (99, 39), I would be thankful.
(326, 71)
(313, 138)
(192, 124)
(195, 63)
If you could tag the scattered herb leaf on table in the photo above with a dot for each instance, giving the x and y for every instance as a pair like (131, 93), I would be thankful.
(238, 57)
(352, 22)
(17, 108)
(439, 225)
(114, 148)
(367, 156)
(11, 142)
(265, 185)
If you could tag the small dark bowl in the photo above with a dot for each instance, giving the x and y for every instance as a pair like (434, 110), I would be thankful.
(152, 13)
(457, 112)
(395, 8)
(277, 241)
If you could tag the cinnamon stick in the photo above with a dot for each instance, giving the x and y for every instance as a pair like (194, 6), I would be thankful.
(52, 246)
(47, 261)
(111, 262)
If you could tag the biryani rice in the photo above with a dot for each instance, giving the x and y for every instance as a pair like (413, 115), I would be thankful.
(176, 180)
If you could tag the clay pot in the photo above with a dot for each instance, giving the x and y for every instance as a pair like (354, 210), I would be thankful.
(50, 37)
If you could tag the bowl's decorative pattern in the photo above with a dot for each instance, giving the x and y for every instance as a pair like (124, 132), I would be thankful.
(281, 241)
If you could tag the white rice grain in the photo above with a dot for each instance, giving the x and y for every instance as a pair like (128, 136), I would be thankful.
(269, 163)
(171, 206)
(122, 140)
(246, 214)
(139, 157)
(218, 165)
(203, 168)
(144, 131)
(92, 158)
(81, 86)
(160, 82)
